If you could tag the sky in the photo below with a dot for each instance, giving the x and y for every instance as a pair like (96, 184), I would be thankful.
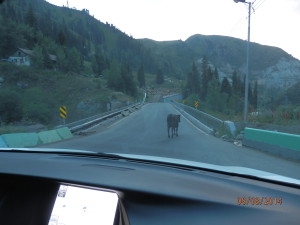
(273, 22)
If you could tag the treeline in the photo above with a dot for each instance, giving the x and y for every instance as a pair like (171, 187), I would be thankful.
(226, 96)
(71, 35)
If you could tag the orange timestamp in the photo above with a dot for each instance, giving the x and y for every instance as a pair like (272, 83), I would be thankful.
(258, 201)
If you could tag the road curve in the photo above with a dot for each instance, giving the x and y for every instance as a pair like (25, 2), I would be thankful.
(144, 132)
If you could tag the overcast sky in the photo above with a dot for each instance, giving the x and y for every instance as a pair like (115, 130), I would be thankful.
(274, 22)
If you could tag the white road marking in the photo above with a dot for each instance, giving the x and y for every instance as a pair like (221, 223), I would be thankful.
(191, 123)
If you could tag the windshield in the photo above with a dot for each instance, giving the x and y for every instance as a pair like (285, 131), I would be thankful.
(211, 81)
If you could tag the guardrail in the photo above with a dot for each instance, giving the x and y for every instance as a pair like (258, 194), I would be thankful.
(203, 117)
(277, 143)
(93, 120)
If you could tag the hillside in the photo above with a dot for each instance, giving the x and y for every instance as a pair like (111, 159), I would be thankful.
(270, 65)
(23, 23)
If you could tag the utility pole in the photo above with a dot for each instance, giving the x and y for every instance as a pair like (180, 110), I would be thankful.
(247, 61)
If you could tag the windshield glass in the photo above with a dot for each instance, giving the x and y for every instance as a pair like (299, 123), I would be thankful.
(210, 81)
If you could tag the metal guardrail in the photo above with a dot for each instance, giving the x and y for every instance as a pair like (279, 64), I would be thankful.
(93, 120)
(203, 117)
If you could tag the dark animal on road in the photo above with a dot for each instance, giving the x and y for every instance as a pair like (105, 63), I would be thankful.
(173, 122)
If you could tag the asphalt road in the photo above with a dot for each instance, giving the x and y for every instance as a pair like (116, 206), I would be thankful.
(144, 132)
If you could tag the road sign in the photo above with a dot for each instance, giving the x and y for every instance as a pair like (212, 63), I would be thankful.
(63, 112)
(196, 104)
(183, 101)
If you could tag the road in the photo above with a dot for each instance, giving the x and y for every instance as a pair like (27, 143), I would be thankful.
(144, 132)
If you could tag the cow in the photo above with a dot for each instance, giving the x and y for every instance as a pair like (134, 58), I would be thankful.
(173, 122)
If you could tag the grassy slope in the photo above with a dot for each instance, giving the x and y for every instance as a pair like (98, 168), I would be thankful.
(45, 91)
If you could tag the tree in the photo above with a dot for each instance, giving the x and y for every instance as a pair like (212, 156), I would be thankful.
(235, 105)
(10, 106)
(38, 57)
(128, 83)
(61, 38)
(141, 77)
(99, 63)
(255, 96)
(250, 95)
(207, 75)
(10, 37)
(216, 74)
(160, 77)
(235, 83)
(114, 79)
(74, 62)
(215, 100)
(226, 87)
(47, 62)
(30, 18)
(193, 82)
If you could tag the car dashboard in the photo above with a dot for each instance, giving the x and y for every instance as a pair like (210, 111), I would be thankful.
(147, 192)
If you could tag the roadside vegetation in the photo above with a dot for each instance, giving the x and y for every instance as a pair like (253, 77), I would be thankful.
(29, 94)
(224, 99)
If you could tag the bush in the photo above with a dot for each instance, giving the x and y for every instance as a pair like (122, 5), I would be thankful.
(10, 106)
(38, 112)
(38, 105)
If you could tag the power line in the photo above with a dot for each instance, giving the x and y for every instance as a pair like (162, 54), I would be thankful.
(261, 2)
(236, 25)
(241, 21)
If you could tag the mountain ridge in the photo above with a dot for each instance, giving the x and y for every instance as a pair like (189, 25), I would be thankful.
(78, 29)
(229, 54)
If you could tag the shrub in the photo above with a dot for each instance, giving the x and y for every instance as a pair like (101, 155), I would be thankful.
(10, 106)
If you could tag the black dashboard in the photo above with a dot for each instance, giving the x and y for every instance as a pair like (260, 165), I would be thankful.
(149, 193)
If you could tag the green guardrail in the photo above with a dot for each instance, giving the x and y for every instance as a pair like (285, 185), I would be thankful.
(23, 140)
(64, 133)
(2, 143)
(49, 136)
(283, 140)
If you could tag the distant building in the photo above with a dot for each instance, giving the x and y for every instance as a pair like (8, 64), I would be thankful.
(23, 57)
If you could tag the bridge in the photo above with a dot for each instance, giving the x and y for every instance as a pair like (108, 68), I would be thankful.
(144, 132)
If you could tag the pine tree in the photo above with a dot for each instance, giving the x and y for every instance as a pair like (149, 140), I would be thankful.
(30, 18)
(215, 100)
(141, 77)
(226, 87)
(250, 95)
(74, 61)
(216, 74)
(235, 83)
(61, 38)
(160, 77)
(206, 76)
(128, 84)
(47, 62)
(255, 100)
(193, 82)
(99, 63)
(114, 79)
(195, 85)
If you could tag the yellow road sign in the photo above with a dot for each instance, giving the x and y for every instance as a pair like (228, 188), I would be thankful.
(196, 104)
(183, 101)
(63, 112)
